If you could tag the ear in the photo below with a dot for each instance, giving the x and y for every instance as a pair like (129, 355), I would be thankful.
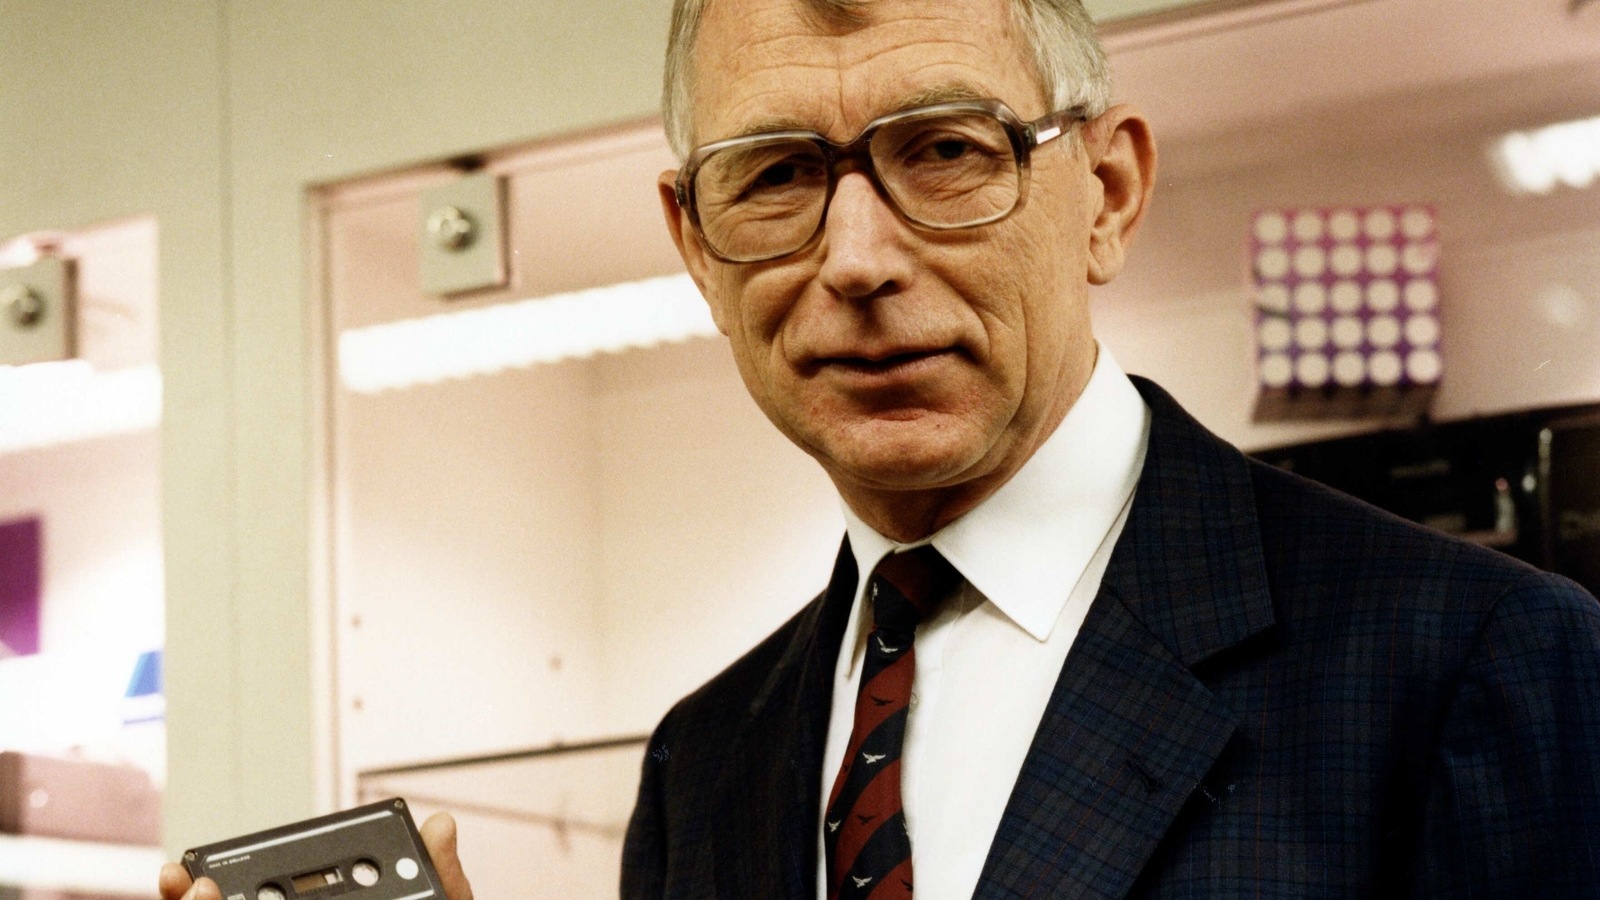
(694, 255)
(1122, 159)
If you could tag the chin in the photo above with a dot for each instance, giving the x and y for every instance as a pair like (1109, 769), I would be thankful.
(905, 462)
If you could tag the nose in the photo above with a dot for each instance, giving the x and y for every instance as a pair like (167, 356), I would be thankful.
(864, 242)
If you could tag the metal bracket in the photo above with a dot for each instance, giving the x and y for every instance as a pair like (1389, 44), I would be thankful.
(36, 312)
(463, 236)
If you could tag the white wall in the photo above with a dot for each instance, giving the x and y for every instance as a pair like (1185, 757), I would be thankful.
(715, 528)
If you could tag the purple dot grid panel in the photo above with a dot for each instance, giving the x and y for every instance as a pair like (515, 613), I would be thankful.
(1346, 297)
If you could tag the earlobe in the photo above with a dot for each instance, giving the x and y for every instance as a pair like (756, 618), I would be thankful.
(693, 254)
(1122, 156)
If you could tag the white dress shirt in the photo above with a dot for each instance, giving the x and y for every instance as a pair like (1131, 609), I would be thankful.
(1032, 556)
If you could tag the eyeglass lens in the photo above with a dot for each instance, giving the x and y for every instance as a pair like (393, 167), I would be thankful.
(766, 197)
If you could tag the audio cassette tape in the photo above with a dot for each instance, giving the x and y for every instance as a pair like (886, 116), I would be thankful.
(371, 852)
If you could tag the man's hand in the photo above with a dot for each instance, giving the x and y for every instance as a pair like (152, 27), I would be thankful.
(438, 835)
(176, 885)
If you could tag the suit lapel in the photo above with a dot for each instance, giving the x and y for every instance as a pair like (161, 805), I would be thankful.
(766, 835)
(1130, 731)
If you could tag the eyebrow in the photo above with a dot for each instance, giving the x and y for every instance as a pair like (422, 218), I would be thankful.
(944, 93)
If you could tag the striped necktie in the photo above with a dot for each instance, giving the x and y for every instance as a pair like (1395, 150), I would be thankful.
(868, 846)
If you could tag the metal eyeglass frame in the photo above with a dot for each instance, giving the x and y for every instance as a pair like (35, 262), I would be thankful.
(1025, 137)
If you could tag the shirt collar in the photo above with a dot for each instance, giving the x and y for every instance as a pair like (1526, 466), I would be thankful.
(1027, 545)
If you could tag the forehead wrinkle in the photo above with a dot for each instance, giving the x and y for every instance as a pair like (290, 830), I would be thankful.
(775, 116)
(854, 58)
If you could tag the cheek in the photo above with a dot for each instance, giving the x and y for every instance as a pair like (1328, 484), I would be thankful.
(752, 305)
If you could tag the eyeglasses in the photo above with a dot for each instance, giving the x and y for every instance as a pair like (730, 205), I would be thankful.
(945, 166)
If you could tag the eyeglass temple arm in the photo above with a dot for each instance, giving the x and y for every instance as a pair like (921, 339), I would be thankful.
(1049, 127)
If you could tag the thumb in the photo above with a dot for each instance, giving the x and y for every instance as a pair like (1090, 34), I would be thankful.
(439, 836)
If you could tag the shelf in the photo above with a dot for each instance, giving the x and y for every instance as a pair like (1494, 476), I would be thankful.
(78, 866)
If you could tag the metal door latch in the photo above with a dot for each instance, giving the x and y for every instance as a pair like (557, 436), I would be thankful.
(36, 314)
(463, 235)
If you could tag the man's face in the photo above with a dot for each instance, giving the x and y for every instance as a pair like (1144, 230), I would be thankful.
(903, 360)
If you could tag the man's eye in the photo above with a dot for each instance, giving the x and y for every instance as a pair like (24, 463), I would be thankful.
(944, 148)
(950, 149)
(776, 176)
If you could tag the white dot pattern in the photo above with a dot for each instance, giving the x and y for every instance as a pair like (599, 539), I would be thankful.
(1421, 295)
(1271, 228)
(1383, 295)
(1310, 298)
(1308, 226)
(1312, 370)
(1423, 366)
(1273, 299)
(1382, 259)
(1344, 225)
(1379, 224)
(1385, 368)
(1345, 260)
(1348, 332)
(1311, 334)
(1422, 331)
(1349, 369)
(1383, 331)
(1276, 334)
(1346, 298)
(1276, 370)
(1310, 262)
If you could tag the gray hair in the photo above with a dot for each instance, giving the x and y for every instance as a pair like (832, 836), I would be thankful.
(1071, 63)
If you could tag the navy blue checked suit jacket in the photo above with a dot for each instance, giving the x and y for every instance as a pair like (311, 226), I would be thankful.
(1279, 692)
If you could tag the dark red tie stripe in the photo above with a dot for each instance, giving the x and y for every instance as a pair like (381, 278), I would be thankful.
(877, 805)
(878, 700)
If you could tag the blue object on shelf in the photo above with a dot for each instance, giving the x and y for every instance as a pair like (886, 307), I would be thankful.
(146, 675)
(143, 701)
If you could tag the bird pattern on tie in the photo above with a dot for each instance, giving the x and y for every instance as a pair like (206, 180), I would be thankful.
(867, 842)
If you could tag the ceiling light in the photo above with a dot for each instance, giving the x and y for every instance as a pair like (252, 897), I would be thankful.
(1538, 161)
(522, 334)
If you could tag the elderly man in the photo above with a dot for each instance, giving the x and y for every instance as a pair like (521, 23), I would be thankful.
(1073, 645)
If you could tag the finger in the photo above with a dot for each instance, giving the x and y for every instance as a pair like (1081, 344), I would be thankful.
(205, 889)
(174, 881)
(439, 836)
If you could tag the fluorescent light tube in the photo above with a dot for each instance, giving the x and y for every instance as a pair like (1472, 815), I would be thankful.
(50, 403)
(522, 334)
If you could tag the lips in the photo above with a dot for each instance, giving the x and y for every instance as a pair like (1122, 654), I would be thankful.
(883, 364)
(874, 371)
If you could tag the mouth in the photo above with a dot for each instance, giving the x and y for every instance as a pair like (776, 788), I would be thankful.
(886, 364)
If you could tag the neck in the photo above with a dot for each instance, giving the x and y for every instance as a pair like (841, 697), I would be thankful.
(909, 516)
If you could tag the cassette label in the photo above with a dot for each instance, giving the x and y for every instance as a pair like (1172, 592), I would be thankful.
(371, 852)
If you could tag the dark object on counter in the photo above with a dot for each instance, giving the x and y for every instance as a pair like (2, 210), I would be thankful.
(1526, 484)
